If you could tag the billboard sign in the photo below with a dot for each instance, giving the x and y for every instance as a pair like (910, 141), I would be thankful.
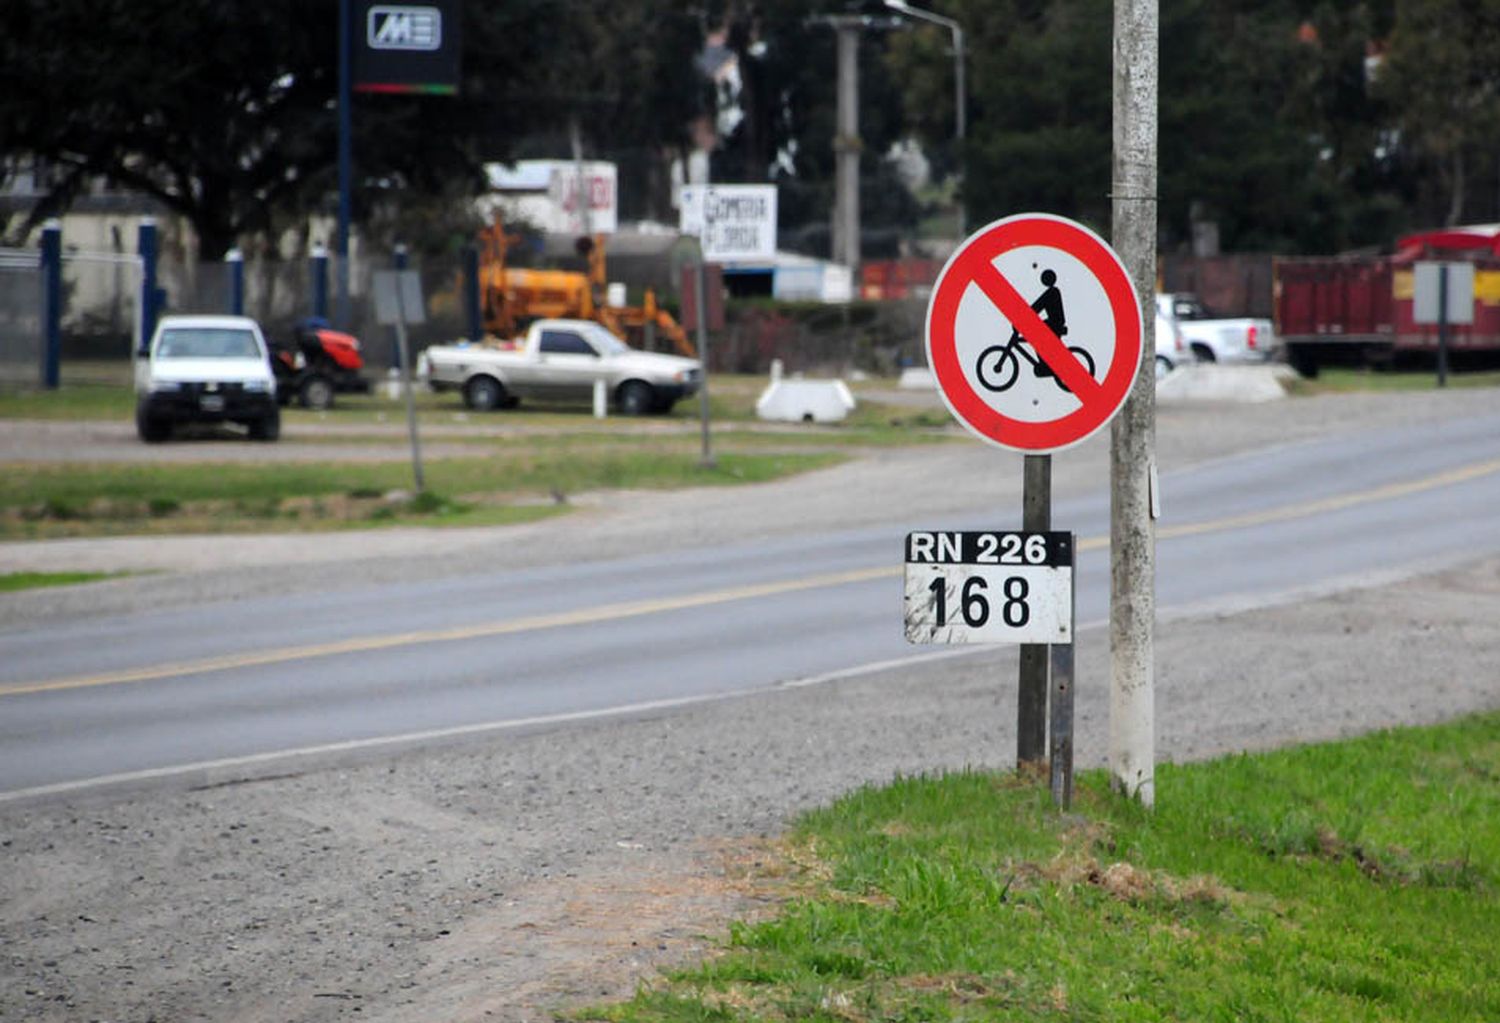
(406, 48)
(732, 222)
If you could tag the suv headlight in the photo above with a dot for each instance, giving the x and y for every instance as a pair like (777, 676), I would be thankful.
(257, 386)
(165, 386)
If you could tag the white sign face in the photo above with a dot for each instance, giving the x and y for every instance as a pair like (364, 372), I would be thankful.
(732, 222)
(598, 191)
(1426, 304)
(989, 587)
(1034, 333)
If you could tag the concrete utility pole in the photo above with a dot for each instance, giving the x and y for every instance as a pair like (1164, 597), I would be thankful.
(846, 143)
(1132, 531)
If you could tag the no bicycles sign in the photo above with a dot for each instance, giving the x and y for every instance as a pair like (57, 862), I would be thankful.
(1034, 333)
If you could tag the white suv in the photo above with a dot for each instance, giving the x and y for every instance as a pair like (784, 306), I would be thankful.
(206, 369)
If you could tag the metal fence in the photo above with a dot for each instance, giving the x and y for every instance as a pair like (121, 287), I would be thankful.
(20, 317)
(101, 300)
(100, 305)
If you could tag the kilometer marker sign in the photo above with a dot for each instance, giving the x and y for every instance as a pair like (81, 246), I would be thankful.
(989, 587)
(1034, 333)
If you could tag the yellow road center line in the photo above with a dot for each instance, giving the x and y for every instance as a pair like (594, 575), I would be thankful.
(366, 644)
(634, 609)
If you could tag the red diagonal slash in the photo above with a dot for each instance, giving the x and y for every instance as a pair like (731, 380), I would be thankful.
(1047, 344)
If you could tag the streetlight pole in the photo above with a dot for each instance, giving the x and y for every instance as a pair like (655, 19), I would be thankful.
(959, 121)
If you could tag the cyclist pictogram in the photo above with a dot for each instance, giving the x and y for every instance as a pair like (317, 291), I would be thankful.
(998, 366)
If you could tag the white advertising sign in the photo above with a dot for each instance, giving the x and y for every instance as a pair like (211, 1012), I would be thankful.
(599, 191)
(733, 222)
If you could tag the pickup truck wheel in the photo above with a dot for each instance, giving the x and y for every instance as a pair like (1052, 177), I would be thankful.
(484, 394)
(267, 427)
(1203, 352)
(1163, 366)
(152, 429)
(316, 393)
(636, 398)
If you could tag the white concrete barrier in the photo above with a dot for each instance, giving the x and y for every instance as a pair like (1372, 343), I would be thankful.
(805, 401)
(917, 378)
(1211, 381)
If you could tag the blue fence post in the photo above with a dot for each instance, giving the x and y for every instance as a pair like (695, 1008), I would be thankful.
(51, 304)
(471, 292)
(150, 294)
(320, 281)
(399, 261)
(234, 259)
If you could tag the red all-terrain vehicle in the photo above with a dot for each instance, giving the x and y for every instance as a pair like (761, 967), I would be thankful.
(318, 363)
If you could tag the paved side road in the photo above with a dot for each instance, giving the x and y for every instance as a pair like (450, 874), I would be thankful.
(881, 486)
(522, 872)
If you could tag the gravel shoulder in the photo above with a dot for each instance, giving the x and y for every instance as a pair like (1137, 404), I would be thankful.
(514, 874)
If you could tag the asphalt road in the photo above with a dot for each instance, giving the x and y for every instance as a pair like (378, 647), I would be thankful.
(244, 680)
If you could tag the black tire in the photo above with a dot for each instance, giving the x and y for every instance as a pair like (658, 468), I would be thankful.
(1083, 357)
(152, 429)
(1005, 369)
(316, 392)
(484, 393)
(267, 427)
(1163, 366)
(1203, 353)
(635, 398)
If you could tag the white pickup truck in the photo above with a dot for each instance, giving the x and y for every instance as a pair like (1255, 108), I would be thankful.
(1217, 339)
(560, 361)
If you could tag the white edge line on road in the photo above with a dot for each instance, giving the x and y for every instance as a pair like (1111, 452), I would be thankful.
(376, 742)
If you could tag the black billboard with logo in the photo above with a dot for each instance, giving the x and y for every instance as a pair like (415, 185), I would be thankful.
(406, 48)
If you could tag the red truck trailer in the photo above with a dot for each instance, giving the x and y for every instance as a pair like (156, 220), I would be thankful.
(1357, 310)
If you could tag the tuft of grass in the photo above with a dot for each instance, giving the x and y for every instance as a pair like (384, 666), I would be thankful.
(1345, 380)
(1343, 882)
(11, 582)
(53, 500)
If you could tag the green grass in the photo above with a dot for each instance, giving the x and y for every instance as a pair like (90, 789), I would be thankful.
(1346, 381)
(11, 582)
(543, 456)
(508, 483)
(1354, 881)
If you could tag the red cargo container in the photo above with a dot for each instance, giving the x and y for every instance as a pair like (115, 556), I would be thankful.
(1358, 309)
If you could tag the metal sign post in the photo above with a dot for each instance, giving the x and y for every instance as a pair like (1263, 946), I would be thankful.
(1031, 695)
(398, 301)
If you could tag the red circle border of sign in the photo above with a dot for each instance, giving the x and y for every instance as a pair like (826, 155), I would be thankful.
(942, 316)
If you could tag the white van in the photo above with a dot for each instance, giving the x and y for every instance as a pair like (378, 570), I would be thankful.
(206, 369)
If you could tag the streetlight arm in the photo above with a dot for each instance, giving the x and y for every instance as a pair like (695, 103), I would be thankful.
(959, 121)
(954, 27)
(937, 19)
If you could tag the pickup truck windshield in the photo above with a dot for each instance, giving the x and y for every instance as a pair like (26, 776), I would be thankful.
(1189, 307)
(207, 343)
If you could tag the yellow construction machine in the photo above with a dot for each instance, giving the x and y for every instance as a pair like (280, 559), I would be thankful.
(510, 298)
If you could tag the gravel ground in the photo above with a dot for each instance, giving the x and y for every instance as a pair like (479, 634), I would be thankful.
(502, 878)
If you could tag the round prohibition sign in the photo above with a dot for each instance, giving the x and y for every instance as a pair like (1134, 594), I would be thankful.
(977, 391)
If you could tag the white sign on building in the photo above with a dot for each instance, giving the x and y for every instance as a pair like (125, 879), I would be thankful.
(733, 222)
(547, 194)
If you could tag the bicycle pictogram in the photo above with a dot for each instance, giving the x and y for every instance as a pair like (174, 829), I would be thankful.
(999, 366)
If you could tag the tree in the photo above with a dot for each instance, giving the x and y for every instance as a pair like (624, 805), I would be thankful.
(1439, 77)
(226, 113)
